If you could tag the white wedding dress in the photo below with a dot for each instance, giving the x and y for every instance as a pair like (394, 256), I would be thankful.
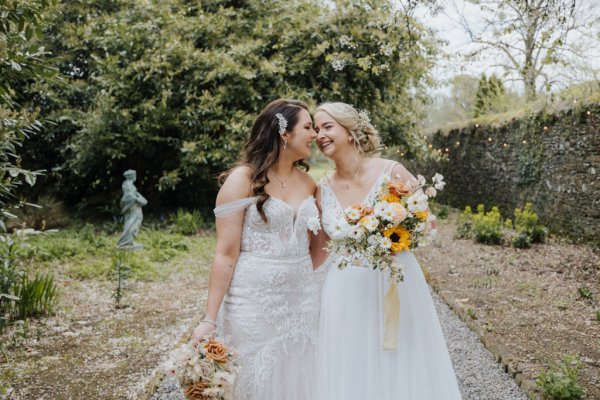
(272, 306)
(351, 362)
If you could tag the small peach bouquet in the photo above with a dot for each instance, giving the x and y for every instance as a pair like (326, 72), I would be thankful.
(206, 370)
(398, 219)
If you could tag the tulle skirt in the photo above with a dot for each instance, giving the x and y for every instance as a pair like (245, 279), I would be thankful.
(351, 363)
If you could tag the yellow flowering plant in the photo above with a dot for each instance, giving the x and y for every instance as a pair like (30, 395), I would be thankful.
(397, 219)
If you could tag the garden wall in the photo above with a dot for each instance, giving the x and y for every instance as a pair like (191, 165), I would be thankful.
(552, 160)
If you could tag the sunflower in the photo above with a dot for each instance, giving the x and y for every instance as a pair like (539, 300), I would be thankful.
(400, 238)
(422, 215)
(390, 198)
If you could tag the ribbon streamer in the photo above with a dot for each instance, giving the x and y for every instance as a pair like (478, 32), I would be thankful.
(391, 317)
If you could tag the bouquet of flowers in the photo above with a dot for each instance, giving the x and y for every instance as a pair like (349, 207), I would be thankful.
(397, 220)
(206, 370)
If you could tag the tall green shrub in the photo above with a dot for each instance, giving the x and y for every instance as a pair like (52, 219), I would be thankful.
(171, 88)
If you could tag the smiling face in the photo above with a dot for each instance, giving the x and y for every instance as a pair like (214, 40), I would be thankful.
(333, 140)
(301, 136)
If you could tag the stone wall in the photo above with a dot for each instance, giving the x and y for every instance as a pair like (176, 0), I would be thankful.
(551, 160)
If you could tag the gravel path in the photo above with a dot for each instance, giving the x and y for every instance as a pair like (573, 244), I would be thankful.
(479, 376)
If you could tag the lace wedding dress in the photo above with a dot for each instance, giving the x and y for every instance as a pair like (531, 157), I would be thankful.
(272, 306)
(351, 362)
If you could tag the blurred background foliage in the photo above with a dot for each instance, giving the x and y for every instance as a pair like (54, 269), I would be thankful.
(170, 88)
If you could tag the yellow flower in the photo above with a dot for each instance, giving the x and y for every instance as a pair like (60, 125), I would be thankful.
(422, 215)
(400, 238)
(390, 198)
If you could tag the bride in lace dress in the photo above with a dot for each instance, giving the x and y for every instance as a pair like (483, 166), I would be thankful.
(352, 364)
(262, 290)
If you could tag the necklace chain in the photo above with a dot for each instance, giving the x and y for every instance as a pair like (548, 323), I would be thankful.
(284, 180)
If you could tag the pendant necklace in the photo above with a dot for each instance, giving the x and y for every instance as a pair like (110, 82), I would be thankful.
(283, 185)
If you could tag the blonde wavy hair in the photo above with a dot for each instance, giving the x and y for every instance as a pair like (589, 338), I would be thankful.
(357, 123)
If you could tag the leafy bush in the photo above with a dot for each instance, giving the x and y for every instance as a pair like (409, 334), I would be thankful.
(465, 224)
(37, 296)
(487, 226)
(527, 222)
(559, 382)
(185, 222)
(46, 214)
(521, 240)
(171, 88)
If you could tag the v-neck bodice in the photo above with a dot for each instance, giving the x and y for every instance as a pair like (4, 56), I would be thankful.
(332, 209)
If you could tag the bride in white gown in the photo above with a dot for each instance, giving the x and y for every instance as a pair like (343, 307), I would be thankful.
(262, 290)
(351, 362)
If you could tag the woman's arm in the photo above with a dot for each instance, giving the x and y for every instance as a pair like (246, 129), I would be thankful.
(318, 241)
(229, 233)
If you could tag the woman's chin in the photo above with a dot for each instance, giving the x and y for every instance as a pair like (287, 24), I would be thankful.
(327, 151)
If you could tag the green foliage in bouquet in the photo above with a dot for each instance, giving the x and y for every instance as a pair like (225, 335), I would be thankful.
(559, 382)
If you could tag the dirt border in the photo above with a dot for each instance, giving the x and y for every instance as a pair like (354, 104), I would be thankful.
(501, 355)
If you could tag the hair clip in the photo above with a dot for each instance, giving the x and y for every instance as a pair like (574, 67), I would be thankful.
(282, 123)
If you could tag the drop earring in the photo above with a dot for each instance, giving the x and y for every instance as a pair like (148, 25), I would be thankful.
(284, 144)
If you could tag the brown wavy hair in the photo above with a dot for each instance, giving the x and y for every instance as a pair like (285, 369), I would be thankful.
(261, 151)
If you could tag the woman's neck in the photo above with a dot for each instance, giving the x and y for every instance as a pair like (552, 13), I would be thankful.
(283, 167)
(348, 168)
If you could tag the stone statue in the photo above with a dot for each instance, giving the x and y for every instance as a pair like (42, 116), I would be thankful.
(131, 207)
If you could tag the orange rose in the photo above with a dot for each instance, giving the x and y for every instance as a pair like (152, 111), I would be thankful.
(215, 351)
(195, 391)
(398, 189)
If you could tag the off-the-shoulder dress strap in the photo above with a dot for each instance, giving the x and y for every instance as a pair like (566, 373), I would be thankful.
(227, 209)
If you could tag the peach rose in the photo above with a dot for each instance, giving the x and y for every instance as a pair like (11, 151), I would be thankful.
(215, 351)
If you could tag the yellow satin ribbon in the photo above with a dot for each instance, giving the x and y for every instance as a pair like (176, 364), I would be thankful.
(391, 317)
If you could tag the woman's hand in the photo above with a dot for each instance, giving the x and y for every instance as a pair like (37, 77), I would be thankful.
(203, 329)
